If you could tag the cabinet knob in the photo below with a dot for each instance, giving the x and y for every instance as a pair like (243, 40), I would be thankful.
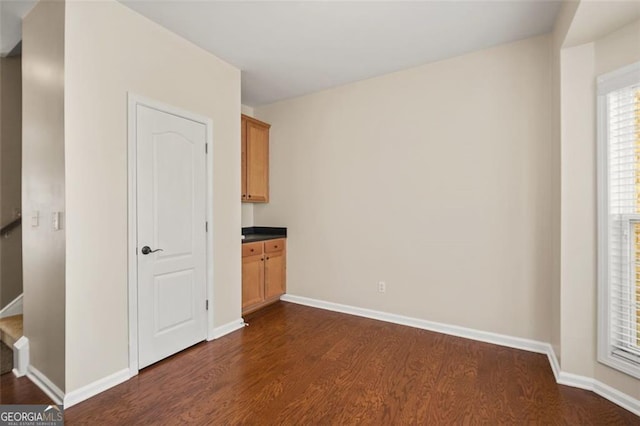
(249, 196)
(252, 250)
(275, 246)
(262, 258)
(267, 258)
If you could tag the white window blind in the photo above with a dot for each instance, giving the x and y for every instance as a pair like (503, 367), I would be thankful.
(619, 220)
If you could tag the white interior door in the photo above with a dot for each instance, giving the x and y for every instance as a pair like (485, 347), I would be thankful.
(171, 234)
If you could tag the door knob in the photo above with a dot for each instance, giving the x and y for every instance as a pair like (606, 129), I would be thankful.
(147, 250)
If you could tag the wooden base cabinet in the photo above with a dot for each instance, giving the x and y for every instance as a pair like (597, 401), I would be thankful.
(264, 271)
(252, 280)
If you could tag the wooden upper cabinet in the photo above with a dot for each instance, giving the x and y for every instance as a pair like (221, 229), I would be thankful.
(255, 160)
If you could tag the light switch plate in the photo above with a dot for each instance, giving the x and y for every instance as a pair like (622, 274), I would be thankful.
(56, 221)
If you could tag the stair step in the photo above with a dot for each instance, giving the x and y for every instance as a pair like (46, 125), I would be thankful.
(10, 329)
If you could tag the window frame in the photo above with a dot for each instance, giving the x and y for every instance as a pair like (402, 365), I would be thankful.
(606, 84)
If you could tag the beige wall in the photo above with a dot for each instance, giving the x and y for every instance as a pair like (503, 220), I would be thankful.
(435, 179)
(247, 215)
(2, 302)
(442, 180)
(580, 67)
(578, 258)
(562, 25)
(111, 50)
(43, 187)
(10, 176)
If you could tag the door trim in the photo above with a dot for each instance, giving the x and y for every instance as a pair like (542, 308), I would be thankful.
(133, 100)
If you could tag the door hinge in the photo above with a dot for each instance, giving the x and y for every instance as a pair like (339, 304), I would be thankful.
(206, 305)
(206, 148)
(206, 226)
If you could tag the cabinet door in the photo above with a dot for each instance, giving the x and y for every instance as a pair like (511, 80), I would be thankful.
(243, 178)
(252, 280)
(257, 154)
(275, 272)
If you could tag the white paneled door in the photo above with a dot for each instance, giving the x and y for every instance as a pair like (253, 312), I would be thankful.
(171, 234)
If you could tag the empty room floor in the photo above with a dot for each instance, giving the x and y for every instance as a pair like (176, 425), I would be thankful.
(299, 365)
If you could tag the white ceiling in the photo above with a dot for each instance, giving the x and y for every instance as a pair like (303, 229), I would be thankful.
(286, 49)
(290, 48)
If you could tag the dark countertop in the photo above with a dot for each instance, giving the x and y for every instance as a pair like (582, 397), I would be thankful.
(260, 237)
(262, 233)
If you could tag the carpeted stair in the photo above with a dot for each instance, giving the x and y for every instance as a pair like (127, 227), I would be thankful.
(6, 359)
(10, 332)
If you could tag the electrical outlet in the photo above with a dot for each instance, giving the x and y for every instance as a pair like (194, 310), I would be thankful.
(382, 287)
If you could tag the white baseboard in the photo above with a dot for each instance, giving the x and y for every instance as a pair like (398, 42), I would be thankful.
(562, 377)
(553, 361)
(453, 330)
(617, 397)
(92, 389)
(587, 383)
(46, 385)
(13, 308)
(74, 397)
(101, 385)
(575, 380)
(225, 329)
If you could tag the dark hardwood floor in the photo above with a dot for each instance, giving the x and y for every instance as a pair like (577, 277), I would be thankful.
(20, 391)
(298, 365)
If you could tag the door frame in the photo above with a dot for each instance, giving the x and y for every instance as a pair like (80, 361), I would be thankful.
(133, 100)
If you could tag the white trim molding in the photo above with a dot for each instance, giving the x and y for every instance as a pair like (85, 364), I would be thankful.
(74, 397)
(132, 231)
(553, 361)
(101, 385)
(575, 381)
(618, 79)
(619, 398)
(46, 385)
(13, 308)
(21, 357)
(609, 320)
(607, 392)
(225, 329)
(452, 330)
(132, 276)
(623, 400)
